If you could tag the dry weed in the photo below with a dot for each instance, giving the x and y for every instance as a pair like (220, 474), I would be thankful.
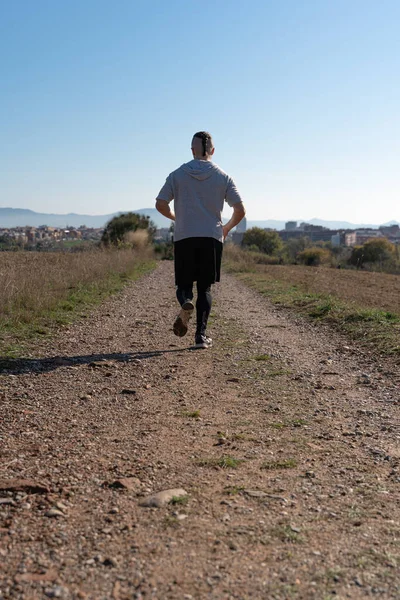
(238, 260)
(138, 239)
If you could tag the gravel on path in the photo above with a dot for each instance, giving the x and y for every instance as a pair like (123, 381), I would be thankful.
(280, 446)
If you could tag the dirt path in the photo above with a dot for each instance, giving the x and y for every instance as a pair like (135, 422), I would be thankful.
(311, 512)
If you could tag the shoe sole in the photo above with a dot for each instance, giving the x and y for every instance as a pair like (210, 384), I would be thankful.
(181, 322)
(188, 305)
(203, 345)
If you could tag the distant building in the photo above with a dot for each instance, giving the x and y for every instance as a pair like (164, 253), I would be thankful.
(242, 227)
(291, 226)
(163, 234)
(392, 232)
(237, 237)
(50, 235)
(286, 235)
(360, 236)
(315, 233)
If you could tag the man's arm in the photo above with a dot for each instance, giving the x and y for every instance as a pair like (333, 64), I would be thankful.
(238, 213)
(163, 207)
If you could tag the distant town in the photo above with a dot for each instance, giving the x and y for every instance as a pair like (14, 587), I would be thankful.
(318, 233)
(31, 236)
(53, 236)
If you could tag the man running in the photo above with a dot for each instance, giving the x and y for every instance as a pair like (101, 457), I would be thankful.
(199, 189)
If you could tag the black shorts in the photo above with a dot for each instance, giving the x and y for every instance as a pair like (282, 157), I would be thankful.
(197, 259)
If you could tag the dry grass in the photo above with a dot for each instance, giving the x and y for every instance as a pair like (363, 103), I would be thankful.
(238, 260)
(138, 239)
(365, 289)
(364, 305)
(40, 289)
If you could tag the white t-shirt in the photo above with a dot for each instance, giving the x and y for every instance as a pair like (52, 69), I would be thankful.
(199, 189)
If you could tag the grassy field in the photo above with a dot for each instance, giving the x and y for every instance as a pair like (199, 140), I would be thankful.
(363, 304)
(42, 291)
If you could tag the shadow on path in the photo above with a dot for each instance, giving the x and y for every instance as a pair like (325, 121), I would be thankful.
(44, 365)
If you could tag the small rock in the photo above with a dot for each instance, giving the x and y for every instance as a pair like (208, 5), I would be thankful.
(126, 483)
(54, 512)
(7, 501)
(232, 546)
(56, 592)
(50, 575)
(255, 493)
(162, 498)
(110, 562)
(128, 392)
(377, 452)
(181, 517)
(23, 485)
(114, 510)
(221, 441)
(116, 590)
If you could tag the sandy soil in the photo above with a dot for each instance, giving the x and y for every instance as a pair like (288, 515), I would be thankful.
(311, 512)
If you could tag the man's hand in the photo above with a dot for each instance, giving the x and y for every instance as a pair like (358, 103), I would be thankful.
(163, 207)
(238, 214)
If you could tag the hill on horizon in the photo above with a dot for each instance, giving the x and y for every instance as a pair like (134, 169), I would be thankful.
(21, 217)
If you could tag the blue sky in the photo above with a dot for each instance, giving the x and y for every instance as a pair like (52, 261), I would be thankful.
(99, 101)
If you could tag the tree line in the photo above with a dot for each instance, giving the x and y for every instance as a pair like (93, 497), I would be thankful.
(374, 254)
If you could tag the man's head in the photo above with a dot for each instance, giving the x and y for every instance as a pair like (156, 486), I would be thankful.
(202, 145)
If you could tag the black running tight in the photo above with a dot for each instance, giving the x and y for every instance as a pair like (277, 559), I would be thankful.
(203, 303)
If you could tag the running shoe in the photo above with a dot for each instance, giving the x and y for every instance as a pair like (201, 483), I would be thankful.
(202, 341)
(181, 322)
(188, 305)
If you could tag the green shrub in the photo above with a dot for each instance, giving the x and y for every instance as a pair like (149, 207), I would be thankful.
(374, 251)
(119, 231)
(314, 256)
(265, 241)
